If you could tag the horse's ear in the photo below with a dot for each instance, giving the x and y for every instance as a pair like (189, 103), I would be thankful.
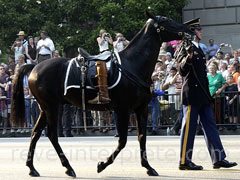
(150, 15)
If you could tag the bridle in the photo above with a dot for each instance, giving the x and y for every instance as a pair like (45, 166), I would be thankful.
(158, 27)
(157, 21)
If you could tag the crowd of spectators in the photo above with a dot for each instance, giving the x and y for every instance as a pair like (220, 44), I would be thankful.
(223, 66)
(24, 50)
(33, 50)
(165, 107)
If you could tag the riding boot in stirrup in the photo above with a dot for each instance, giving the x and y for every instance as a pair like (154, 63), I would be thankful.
(102, 97)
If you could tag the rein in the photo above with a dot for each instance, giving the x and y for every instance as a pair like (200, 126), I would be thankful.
(136, 80)
(139, 82)
(201, 86)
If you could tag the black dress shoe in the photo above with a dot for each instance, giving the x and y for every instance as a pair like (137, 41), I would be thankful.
(224, 164)
(190, 166)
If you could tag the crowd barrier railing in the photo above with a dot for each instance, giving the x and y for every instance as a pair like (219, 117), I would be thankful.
(226, 111)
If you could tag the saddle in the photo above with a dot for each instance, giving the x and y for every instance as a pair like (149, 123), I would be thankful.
(104, 56)
(73, 76)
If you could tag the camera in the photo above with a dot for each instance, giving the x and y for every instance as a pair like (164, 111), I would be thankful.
(107, 35)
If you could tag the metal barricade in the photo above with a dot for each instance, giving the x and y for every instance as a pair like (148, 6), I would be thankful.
(226, 111)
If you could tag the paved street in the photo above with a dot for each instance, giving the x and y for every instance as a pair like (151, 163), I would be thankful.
(84, 153)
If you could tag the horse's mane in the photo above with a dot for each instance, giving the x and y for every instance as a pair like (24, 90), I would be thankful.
(136, 37)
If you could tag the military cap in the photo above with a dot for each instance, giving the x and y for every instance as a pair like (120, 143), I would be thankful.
(194, 24)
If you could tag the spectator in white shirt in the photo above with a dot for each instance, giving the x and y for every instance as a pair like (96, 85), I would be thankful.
(169, 61)
(120, 43)
(45, 47)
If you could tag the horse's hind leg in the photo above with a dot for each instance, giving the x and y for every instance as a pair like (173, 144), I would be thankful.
(142, 115)
(36, 134)
(122, 120)
(53, 137)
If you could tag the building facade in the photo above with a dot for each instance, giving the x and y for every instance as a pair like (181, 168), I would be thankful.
(220, 20)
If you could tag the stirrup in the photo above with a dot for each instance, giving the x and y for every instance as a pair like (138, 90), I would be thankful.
(98, 100)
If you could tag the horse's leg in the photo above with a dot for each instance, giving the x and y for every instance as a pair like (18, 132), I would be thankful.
(53, 137)
(122, 119)
(142, 115)
(36, 134)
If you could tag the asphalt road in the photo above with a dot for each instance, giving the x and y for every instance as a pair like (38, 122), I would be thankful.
(84, 153)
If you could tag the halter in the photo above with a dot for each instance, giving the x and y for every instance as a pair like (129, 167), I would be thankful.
(159, 27)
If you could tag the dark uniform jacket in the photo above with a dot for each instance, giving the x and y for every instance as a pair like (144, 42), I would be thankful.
(192, 92)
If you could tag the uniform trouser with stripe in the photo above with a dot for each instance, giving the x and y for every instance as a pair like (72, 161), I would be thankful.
(211, 135)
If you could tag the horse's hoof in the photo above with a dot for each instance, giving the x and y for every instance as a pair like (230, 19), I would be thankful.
(70, 172)
(152, 172)
(100, 167)
(34, 173)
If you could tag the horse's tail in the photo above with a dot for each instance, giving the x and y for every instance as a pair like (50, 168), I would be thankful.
(17, 115)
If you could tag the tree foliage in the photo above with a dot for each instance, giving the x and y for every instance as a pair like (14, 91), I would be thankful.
(74, 23)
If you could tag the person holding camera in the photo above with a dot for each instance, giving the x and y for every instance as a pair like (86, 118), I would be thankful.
(18, 49)
(120, 43)
(104, 40)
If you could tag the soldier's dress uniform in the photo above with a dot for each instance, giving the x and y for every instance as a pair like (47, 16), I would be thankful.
(196, 101)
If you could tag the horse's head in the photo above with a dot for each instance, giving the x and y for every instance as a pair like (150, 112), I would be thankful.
(169, 29)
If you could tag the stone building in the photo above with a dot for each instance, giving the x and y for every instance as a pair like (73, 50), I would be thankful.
(220, 20)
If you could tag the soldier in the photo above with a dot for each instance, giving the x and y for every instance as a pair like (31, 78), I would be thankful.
(197, 103)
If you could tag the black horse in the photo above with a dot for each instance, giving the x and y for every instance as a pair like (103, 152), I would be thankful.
(131, 94)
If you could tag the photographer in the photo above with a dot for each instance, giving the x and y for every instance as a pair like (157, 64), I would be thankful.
(18, 49)
(103, 40)
(120, 43)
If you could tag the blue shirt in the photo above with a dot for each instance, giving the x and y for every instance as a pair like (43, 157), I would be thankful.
(212, 50)
(204, 48)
